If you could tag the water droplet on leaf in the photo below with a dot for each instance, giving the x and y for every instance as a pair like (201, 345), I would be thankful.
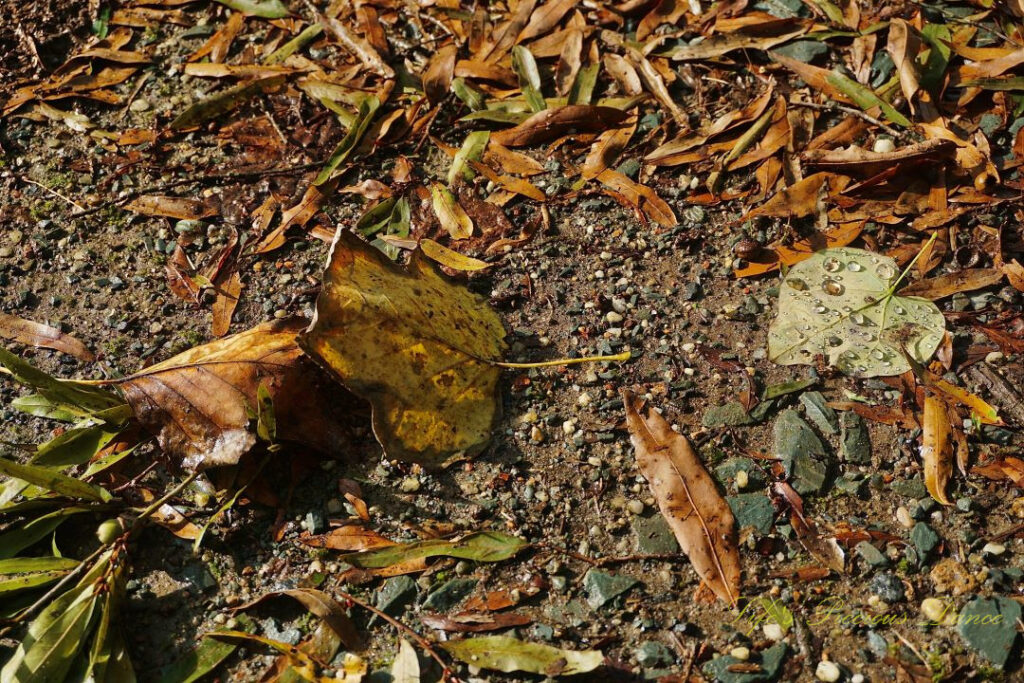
(832, 287)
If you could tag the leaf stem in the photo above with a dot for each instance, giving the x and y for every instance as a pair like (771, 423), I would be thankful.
(624, 356)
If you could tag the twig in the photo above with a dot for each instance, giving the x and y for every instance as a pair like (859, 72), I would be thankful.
(619, 559)
(832, 106)
(54, 192)
(446, 673)
(214, 177)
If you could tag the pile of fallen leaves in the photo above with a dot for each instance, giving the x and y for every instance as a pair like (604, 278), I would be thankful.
(892, 127)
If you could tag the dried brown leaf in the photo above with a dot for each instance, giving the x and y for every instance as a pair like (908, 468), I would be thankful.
(700, 518)
(547, 125)
(37, 334)
(936, 449)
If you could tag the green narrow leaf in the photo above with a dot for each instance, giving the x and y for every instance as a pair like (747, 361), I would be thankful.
(266, 423)
(308, 35)
(108, 656)
(107, 461)
(367, 109)
(73, 447)
(473, 98)
(939, 38)
(53, 481)
(267, 9)
(40, 406)
(472, 150)
(14, 584)
(55, 637)
(206, 656)
(482, 546)
(59, 391)
(25, 565)
(224, 101)
(374, 220)
(866, 98)
(502, 653)
(582, 90)
(17, 539)
(525, 67)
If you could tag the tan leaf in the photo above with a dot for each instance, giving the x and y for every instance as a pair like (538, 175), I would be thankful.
(454, 219)
(358, 46)
(420, 348)
(547, 125)
(175, 522)
(800, 199)
(946, 285)
(936, 449)
(298, 215)
(639, 196)
(698, 515)
(765, 35)
(350, 537)
(37, 334)
(545, 18)
(182, 208)
(438, 76)
(606, 149)
(224, 305)
(903, 47)
(569, 61)
(853, 158)
(198, 403)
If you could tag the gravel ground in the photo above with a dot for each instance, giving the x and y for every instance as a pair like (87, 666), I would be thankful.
(560, 471)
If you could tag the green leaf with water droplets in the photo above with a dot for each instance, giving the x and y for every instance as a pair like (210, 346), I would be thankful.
(840, 304)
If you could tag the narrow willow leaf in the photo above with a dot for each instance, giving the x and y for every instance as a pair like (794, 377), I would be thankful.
(25, 565)
(14, 584)
(57, 634)
(482, 546)
(936, 448)
(17, 539)
(73, 447)
(582, 90)
(529, 77)
(375, 219)
(58, 391)
(454, 219)
(472, 150)
(367, 109)
(308, 35)
(866, 98)
(451, 258)
(502, 653)
(54, 481)
(473, 98)
(266, 423)
(40, 406)
(840, 303)
(206, 656)
(267, 9)
(224, 101)
(108, 656)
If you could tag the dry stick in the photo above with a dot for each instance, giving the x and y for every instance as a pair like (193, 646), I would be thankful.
(831, 106)
(230, 175)
(73, 203)
(446, 673)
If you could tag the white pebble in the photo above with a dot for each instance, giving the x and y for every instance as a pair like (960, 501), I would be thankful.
(773, 631)
(740, 653)
(613, 317)
(584, 399)
(742, 479)
(568, 427)
(410, 485)
(828, 672)
(904, 518)
(994, 549)
(635, 506)
(884, 145)
(857, 678)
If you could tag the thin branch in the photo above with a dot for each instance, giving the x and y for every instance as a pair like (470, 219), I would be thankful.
(73, 203)
(832, 106)
(446, 672)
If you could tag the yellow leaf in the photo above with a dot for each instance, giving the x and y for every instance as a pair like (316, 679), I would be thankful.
(419, 348)
(936, 449)
(451, 258)
(453, 217)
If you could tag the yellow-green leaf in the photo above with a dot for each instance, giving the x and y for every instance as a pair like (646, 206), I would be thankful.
(454, 219)
(451, 258)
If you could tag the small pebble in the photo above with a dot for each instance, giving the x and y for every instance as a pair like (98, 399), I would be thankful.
(568, 427)
(635, 506)
(742, 479)
(410, 485)
(884, 145)
(828, 672)
(995, 357)
(140, 105)
(994, 549)
(857, 678)
(936, 611)
(584, 399)
(613, 317)
(773, 631)
(904, 518)
(740, 653)
(536, 435)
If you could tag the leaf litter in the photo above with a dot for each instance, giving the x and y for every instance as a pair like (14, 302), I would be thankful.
(872, 132)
